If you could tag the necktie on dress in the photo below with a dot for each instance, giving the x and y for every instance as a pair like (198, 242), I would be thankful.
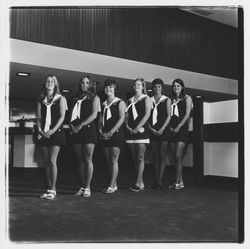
(107, 109)
(76, 113)
(155, 110)
(48, 111)
(132, 104)
(174, 108)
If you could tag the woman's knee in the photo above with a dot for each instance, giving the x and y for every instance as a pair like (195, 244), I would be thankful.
(52, 162)
(140, 158)
(87, 159)
(114, 160)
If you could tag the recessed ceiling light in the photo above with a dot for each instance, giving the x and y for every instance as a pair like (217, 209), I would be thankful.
(22, 74)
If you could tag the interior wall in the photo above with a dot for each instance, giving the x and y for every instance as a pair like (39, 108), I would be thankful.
(221, 158)
(221, 112)
(54, 57)
(163, 36)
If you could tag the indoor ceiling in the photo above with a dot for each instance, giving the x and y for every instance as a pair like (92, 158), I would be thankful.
(226, 15)
(28, 88)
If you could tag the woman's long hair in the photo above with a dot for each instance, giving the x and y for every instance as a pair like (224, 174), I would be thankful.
(144, 89)
(91, 92)
(183, 93)
(44, 89)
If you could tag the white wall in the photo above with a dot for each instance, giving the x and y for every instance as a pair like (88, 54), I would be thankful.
(221, 159)
(25, 153)
(54, 57)
(220, 112)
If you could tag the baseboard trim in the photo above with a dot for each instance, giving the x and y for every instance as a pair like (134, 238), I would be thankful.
(221, 181)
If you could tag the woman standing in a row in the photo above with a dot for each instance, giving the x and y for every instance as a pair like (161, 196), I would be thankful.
(111, 131)
(83, 131)
(137, 137)
(180, 115)
(51, 108)
(160, 130)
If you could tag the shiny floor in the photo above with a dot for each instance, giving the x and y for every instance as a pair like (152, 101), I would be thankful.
(207, 214)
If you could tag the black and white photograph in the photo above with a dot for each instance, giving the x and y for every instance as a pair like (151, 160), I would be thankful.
(124, 124)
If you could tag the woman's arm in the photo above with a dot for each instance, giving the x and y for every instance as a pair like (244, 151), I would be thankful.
(148, 106)
(126, 121)
(38, 120)
(92, 116)
(165, 124)
(100, 124)
(187, 115)
(38, 116)
(62, 111)
(120, 121)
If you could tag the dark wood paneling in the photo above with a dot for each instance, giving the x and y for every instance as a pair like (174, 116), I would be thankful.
(198, 140)
(221, 132)
(158, 35)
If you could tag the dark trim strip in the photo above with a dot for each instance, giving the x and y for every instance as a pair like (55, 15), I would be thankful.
(221, 181)
(221, 132)
(198, 144)
(241, 159)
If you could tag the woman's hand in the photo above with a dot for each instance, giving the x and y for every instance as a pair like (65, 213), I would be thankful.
(134, 131)
(159, 132)
(77, 128)
(102, 135)
(107, 135)
(73, 130)
(176, 129)
(128, 128)
(41, 133)
(152, 130)
(49, 133)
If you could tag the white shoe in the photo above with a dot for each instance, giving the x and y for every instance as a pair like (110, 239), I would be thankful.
(80, 192)
(87, 192)
(110, 190)
(177, 185)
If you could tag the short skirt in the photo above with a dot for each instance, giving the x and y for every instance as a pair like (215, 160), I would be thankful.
(117, 140)
(57, 139)
(166, 136)
(87, 135)
(181, 136)
(142, 136)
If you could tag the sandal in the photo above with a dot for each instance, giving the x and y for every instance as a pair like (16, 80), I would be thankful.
(51, 195)
(177, 186)
(80, 192)
(45, 194)
(87, 192)
(110, 190)
(136, 188)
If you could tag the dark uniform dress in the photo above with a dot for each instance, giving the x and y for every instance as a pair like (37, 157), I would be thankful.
(178, 111)
(117, 140)
(160, 120)
(58, 138)
(88, 133)
(142, 136)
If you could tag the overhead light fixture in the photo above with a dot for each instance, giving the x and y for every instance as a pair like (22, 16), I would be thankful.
(23, 74)
(149, 90)
(65, 91)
